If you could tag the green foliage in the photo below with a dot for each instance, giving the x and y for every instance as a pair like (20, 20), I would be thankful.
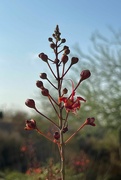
(102, 90)
(15, 175)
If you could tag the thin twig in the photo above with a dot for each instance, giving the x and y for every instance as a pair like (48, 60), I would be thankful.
(51, 69)
(75, 133)
(66, 119)
(43, 134)
(46, 118)
(66, 71)
(52, 84)
(53, 100)
(53, 106)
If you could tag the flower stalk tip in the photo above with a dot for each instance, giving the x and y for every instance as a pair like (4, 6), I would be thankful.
(30, 124)
(39, 84)
(90, 121)
(74, 60)
(45, 92)
(43, 56)
(43, 76)
(30, 103)
(56, 135)
(64, 59)
(85, 74)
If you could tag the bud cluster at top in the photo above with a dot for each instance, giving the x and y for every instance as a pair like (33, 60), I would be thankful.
(71, 103)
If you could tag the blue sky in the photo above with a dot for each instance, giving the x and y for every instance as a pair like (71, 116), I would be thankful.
(25, 26)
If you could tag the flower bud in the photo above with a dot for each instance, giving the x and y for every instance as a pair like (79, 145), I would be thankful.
(56, 61)
(85, 74)
(43, 76)
(65, 47)
(65, 129)
(65, 91)
(67, 51)
(39, 84)
(43, 56)
(74, 60)
(52, 45)
(56, 135)
(90, 121)
(45, 92)
(50, 39)
(64, 59)
(30, 103)
(30, 124)
(63, 40)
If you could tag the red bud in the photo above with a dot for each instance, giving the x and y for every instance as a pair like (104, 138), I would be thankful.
(64, 59)
(50, 39)
(90, 121)
(39, 84)
(45, 92)
(56, 135)
(43, 56)
(67, 51)
(85, 74)
(52, 45)
(74, 60)
(63, 40)
(43, 75)
(30, 124)
(30, 103)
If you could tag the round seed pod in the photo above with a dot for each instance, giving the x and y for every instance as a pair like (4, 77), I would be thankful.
(45, 92)
(43, 76)
(64, 59)
(56, 135)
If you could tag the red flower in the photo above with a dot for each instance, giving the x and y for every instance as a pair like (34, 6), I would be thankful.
(90, 121)
(30, 124)
(71, 103)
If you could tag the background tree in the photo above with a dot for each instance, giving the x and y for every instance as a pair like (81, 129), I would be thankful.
(103, 95)
(103, 89)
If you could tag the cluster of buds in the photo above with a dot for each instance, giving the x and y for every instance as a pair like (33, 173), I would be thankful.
(72, 102)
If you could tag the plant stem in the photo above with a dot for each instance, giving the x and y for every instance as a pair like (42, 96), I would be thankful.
(43, 134)
(62, 144)
(62, 151)
(75, 133)
(46, 117)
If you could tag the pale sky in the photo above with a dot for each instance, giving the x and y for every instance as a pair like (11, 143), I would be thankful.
(25, 26)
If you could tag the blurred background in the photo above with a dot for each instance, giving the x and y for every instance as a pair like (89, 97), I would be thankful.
(93, 33)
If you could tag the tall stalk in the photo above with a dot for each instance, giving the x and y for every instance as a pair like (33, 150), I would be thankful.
(70, 104)
(61, 146)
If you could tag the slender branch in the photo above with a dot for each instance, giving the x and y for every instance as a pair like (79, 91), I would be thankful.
(51, 69)
(60, 51)
(47, 118)
(51, 83)
(50, 60)
(53, 100)
(66, 119)
(75, 87)
(75, 133)
(66, 71)
(78, 84)
(62, 145)
(53, 106)
(62, 73)
(43, 134)
(60, 151)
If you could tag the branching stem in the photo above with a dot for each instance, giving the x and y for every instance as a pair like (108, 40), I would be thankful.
(75, 133)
